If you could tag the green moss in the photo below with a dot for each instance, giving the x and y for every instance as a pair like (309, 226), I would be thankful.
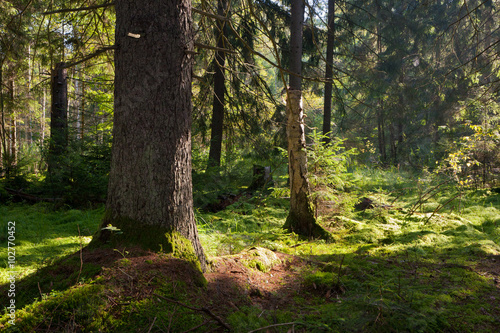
(81, 307)
(120, 232)
(259, 258)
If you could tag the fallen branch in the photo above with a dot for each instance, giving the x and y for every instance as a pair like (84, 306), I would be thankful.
(30, 197)
(275, 325)
(204, 310)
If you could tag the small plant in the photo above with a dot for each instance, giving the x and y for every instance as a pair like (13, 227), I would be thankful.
(113, 229)
(328, 165)
(124, 253)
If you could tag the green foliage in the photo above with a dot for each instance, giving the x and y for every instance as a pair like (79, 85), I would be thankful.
(82, 174)
(329, 162)
(472, 159)
(387, 270)
(43, 235)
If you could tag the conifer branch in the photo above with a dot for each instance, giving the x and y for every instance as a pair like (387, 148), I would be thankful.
(204, 46)
(90, 56)
(214, 16)
(68, 10)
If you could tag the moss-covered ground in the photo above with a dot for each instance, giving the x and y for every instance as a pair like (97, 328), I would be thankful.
(424, 258)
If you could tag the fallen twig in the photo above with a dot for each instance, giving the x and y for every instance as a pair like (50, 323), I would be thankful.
(30, 197)
(198, 326)
(151, 327)
(204, 310)
(275, 325)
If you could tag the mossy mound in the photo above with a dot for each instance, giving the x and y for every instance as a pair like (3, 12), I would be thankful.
(128, 232)
(258, 258)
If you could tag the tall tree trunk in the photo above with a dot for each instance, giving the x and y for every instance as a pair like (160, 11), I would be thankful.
(3, 136)
(327, 107)
(217, 126)
(82, 105)
(13, 128)
(380, 110)
(301, 218)
(44, 108)
(392, 142)
(150, 186)
(381, 134)
(58, 117)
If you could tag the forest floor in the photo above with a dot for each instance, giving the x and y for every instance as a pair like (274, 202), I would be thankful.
(405, 265)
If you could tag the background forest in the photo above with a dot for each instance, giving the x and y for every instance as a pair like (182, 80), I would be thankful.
(402, 105)
(414, 86)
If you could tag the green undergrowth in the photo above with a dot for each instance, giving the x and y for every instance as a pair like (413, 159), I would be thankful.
(423, 259)
(119, 299)
(43, 234)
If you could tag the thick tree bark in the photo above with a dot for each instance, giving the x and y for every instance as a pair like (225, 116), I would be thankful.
(301, 218)
(58, 117)
(150, 186)
(217, 126)
(327, 108)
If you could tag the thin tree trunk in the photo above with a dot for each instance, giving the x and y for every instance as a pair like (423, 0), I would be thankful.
(58, 117)
(217, 126)
(150, 186)
(380, 111)
(381, 134)
(12, 162)
(327, 108)
(301, 218)
(44, 108)
(82, 105)
(13, 140)
(3, 136)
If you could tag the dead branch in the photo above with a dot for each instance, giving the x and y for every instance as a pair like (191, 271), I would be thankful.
(30, 197)
(204, 310)
(68, 10)
(215, 16)
(204, 46)
(90, 56)
(275, 325)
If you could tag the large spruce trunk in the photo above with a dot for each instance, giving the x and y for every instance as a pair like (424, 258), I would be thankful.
(150, 186)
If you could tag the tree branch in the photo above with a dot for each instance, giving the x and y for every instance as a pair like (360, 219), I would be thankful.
(204, 46)
(68, 10)
(90, 56)
(215, 16)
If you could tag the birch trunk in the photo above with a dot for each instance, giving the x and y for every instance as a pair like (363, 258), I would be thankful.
(301, 218)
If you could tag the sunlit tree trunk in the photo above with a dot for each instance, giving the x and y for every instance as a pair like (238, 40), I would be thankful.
(150, 186)
(301, 218)
(327, 108)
